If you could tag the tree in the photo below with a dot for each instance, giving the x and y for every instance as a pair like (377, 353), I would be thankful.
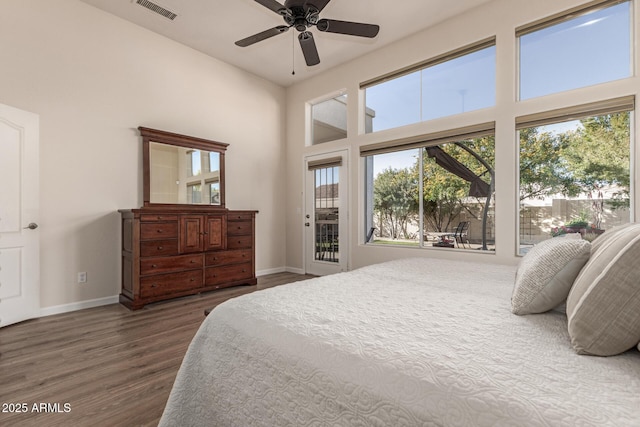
(445, 193)
(442, 195)
(598, 157)
(394, 200)
(543, 169)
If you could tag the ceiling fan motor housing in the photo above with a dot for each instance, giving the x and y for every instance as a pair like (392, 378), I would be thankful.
(299, 15)
(302, 14)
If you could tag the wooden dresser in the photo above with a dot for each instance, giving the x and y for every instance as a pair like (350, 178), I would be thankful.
(167, 253)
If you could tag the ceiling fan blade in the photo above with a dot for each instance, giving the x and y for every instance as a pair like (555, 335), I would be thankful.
(309, 49)
(318, 4)
(273, 5)
(349, 28)
(262, 36)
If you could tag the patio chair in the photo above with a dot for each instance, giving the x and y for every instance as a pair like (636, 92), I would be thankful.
(460, 234)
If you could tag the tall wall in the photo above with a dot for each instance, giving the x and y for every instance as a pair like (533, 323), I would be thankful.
(498, 18)
(93, 79)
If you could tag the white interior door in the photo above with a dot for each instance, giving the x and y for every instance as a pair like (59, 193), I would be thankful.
(326, 223)
(19, 236)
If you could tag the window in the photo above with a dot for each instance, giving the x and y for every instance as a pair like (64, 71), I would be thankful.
(194, 193)
(567, 52)
(327, 213)
(574, 175)
(195, 163)
(454, 83)
(214, 162)
(435, 195)
(329, 120)
(214, 192)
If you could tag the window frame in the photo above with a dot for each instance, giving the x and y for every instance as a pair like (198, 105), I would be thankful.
(624, 104)
(420, 142)
(562, 17)
(421, 66)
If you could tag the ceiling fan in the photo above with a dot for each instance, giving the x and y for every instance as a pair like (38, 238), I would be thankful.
(303, 14)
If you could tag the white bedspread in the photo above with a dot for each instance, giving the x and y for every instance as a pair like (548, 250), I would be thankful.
(415, 342)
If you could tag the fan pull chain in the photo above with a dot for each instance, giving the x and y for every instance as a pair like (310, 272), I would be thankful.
(293, 53)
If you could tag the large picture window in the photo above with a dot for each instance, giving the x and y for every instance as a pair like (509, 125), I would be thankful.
(457, 82)
(574, 176)
(568, 51)
(436, 196)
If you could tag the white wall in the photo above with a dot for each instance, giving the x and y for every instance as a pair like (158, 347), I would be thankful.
(93, 79)
(499, 18)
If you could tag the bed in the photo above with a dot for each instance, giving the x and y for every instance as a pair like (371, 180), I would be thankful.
(412, 342)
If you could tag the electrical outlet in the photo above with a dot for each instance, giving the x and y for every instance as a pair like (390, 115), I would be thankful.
(82, 277)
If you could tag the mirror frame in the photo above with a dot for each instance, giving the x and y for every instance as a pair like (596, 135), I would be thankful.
(155, 135)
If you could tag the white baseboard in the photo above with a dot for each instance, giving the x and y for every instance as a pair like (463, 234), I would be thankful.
(81, 305)
(270, 271)
(294, 270)
(279, 270)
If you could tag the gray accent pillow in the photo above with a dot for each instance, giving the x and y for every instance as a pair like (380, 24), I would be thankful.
(603, 307)
(545, 274)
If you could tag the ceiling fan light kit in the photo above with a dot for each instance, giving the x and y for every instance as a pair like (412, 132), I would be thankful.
(301, 15)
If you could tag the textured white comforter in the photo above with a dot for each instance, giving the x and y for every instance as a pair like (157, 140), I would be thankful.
(416, 342)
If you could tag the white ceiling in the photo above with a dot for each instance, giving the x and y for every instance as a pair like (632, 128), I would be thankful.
(212, 27)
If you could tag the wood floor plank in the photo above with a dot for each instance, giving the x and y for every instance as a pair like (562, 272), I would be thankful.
(113, 366)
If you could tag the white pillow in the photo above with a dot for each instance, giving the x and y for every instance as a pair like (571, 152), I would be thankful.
(545, 274)
(603, 307)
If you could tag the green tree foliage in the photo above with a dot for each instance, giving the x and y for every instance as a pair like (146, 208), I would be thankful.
(598, 156)
(543, 168)
(444, 193)
(394, 201)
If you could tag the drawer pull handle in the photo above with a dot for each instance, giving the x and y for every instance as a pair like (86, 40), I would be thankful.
(192, 261)
(215, 258)
(244, 270)
(192, 279)
(155, 285)
(154, 266)
(160, 248)
(159, 230)
(239, 228)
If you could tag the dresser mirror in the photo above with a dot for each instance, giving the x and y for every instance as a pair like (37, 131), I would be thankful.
(182, 170)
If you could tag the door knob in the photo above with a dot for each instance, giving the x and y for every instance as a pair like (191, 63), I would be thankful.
(31, 226)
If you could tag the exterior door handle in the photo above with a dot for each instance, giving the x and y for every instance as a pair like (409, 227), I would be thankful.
(31, 226)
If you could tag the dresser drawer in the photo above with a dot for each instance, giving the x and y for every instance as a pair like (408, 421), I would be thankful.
(227, 273)
(227, 257)
(239, 228)
(239, 216)
(167, 264)
(159, 230)
(165, 284)
(158, 217)
(239, 242)
(150, 248)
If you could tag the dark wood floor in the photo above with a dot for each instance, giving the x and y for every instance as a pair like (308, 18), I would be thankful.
(105, 366)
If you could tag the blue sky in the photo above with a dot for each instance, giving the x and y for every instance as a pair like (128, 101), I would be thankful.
(584, 51)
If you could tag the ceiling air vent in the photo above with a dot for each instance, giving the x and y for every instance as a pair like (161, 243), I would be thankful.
(157, 9)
